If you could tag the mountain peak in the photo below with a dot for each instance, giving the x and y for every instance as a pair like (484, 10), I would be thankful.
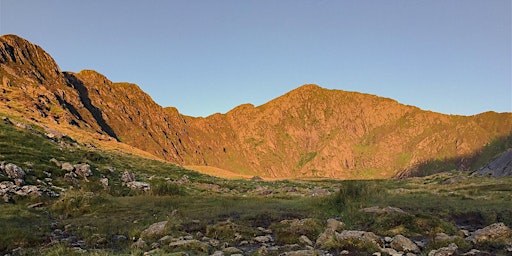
(21, 55)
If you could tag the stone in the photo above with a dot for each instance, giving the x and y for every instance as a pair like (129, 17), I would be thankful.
(231, 250)
(140, 244)
(67, 167)
(402, 243)
(139, 185)
(190, 244)
(444, 237)
(335, 225)
(384, 210)
(305, 240)
(390, 251)
(83, 170)
(128, 177)
(263, 239)
(301, 253)
(55, 162)
(13, 171)
(325, 238)
(154, 230)
(29, 190)
(444, 251)
(491, 233)
(360, 235)
(104, 182)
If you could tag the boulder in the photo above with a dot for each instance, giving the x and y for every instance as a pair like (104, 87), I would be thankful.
(139, 185)
(67, 166)
(155, 230)
(13, 171)
(83, 170)
(128, 177)
(492, 232)
(445, 251)
(140, 244)
(305, 240)
(360, 235)
(402, 243)
(335, 225)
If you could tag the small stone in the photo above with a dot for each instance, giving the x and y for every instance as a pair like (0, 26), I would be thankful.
(67, 167)
(140, 244)
(305, 240)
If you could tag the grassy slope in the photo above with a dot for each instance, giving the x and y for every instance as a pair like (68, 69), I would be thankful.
(435, 204)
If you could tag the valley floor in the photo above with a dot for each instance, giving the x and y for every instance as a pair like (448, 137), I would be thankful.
(60, 197)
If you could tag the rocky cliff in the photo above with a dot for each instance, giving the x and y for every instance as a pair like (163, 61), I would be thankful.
(308, 132)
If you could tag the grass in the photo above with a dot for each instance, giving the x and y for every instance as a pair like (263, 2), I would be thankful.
(228, 210)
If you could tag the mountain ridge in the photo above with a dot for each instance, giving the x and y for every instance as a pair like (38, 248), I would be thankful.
(307, 132)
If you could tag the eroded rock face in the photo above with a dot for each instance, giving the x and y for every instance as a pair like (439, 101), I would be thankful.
(500, 167)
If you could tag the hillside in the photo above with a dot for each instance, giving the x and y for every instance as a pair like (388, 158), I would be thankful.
(308, 132)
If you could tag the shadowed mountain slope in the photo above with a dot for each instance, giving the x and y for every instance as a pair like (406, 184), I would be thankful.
(308, 132)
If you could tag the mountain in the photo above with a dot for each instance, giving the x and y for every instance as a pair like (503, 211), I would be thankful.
(308, 132)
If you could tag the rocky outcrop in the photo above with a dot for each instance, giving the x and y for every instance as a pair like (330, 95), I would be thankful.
(499, 167)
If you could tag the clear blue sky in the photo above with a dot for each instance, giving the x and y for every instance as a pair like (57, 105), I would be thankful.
(209, 56)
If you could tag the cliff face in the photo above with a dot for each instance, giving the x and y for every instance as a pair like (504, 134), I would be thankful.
(308, 132)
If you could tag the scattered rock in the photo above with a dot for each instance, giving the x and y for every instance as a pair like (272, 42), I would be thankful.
(402, 243)
(444, 251)
(155, 230)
